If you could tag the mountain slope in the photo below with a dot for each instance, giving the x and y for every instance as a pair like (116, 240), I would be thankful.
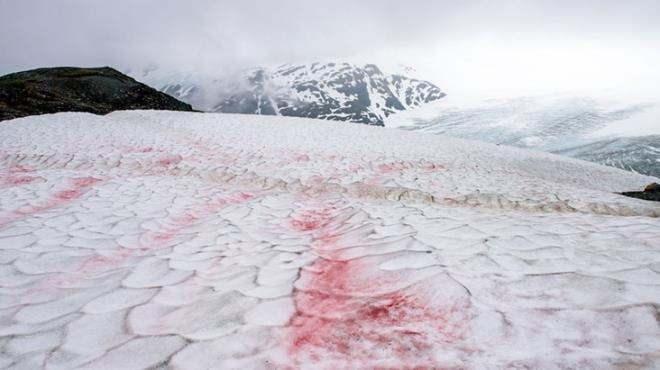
(331, 91)
(68, 89)
(193, 241)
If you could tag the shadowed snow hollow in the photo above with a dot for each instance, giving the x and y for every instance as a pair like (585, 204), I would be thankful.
(142, 239)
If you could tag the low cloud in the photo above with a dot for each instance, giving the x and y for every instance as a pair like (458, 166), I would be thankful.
(464, 44)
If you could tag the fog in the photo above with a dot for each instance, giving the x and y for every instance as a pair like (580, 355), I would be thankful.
(463, 46)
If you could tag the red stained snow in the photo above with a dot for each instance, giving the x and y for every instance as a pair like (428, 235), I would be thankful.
(20, 168)
(14, 180)
(385, 168)
(351, 313)
(103, 263)
(139, 149)
(17, 176)
(301, 158)
(169, 160)
(158, 239)
(311, 220)
(151, 240)
(76, 187)
(174, 225)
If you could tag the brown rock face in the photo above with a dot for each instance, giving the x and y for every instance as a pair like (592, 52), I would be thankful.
(68, 89)
(651, 192)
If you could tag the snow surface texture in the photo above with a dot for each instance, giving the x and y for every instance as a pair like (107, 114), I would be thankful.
(194, 241)
(331, 91)
(601, 130)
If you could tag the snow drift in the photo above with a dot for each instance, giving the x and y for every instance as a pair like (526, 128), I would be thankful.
(141, 239)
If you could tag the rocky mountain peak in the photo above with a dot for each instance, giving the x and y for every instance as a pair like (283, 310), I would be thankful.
(331, 91)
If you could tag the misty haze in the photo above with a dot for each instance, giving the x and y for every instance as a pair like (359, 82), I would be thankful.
(329, 185)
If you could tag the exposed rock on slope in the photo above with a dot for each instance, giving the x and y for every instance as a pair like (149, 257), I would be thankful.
(331, 91)
(651, 192)
(69, 89)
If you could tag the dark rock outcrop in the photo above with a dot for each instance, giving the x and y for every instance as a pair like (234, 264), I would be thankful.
(69, 89)
(651, 192)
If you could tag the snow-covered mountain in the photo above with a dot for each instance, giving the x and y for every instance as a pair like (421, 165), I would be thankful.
(593, 129)
(143, 240)
(331, 91)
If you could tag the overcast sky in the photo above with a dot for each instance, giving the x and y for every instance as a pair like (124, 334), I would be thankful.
(465, 45)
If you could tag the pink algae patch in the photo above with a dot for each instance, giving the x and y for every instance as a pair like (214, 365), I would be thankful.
(144, 149)
(400, 166)
(68, 194)
(350, 313)
(340, 317)
(13, 180)
(390, 167)
(17, 176)
(83, 182)
(301, 158)
(168, 161)
(76, 188)
(20, 169)
(137, 149)
(174, 225)
(101, 263)
(311, 220)
(88, 268)
(152, 240)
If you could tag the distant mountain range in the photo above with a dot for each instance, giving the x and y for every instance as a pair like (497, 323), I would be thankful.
(69, 89)
(566, 125)
(572, 126)
(330, 91)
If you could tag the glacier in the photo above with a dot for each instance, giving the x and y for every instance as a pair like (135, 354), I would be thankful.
(613, 131)
(149, 239)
